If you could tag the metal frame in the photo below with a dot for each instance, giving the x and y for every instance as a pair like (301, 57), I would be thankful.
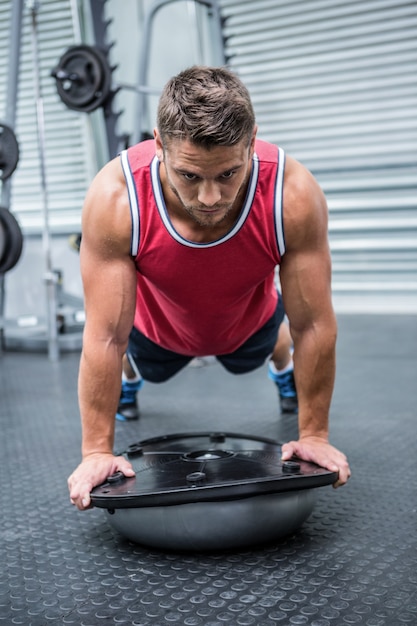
(143, 89)
(34, 337)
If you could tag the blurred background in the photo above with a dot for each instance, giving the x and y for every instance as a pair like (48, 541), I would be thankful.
(333, 82)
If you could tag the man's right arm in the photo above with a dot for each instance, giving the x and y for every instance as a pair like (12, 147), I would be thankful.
(109, 281)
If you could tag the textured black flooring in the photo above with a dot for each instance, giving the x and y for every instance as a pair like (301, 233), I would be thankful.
(354, 561)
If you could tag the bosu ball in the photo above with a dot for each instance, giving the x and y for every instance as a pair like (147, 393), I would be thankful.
(209, 491)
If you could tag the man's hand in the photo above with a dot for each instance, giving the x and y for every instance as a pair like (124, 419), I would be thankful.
(93, 471)
(319, 451)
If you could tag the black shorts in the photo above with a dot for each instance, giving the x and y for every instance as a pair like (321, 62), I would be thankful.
(157, 364)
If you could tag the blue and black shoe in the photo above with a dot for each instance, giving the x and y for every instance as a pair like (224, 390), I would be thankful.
(286, 390)
(128, 404)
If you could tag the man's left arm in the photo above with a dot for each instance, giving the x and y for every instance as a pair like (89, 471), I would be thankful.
(305, 276)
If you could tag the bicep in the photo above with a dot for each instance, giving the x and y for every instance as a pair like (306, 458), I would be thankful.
(109, 296)
(107, 268)
(305, 271)
(305, 283)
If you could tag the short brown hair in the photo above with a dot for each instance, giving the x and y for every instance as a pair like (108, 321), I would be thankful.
(210, 106)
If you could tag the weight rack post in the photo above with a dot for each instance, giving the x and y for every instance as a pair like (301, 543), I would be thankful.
(50, 276)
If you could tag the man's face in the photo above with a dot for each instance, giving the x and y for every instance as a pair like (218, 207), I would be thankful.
(207, 184)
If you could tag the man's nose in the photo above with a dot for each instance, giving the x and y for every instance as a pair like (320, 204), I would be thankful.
(209, 193)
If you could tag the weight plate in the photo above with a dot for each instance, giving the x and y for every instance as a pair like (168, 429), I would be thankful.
(11, 249)
(9, 151)
(3, 240)
(83, 78)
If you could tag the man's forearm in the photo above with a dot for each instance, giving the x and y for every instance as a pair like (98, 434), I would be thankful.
(314, 369)
(99, 392)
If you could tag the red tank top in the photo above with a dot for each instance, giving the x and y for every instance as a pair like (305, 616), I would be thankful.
(198, 299)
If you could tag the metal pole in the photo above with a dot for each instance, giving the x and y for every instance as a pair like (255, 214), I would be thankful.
(50, 277)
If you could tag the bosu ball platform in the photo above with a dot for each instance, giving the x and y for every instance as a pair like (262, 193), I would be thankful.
(209, 491)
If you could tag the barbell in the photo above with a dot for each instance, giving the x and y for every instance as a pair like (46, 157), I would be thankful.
(83, 78)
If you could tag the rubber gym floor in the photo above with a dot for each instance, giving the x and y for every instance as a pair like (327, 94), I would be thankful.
(354, 561)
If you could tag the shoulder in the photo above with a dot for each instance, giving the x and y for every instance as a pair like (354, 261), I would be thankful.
(106, 220)
(304, 205)
(266, 151)
(108, 183)
(141, 155)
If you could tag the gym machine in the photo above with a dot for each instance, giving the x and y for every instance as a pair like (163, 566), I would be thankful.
(28, 333)
(11, 238)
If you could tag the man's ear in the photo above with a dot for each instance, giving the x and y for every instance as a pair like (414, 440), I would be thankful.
(159, 150)
(252, 141)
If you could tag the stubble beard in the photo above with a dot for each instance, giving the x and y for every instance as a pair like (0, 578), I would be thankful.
(206, 219)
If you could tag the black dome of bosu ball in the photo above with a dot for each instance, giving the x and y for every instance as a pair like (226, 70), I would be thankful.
(209, 491)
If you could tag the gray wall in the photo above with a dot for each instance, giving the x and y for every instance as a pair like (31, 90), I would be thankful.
(332, 82)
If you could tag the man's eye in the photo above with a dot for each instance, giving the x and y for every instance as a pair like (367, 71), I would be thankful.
(189, 176)
(228, 174)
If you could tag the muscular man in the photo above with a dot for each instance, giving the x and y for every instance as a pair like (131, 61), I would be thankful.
(181, 238)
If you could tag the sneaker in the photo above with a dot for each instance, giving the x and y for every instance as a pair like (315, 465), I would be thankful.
(74, 241)
(286, 390)
(128, 406)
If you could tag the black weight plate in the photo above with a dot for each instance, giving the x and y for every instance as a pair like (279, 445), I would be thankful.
(83, 78)
(197, 467)
(13, 241)
(3, 240)
(9, 152)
